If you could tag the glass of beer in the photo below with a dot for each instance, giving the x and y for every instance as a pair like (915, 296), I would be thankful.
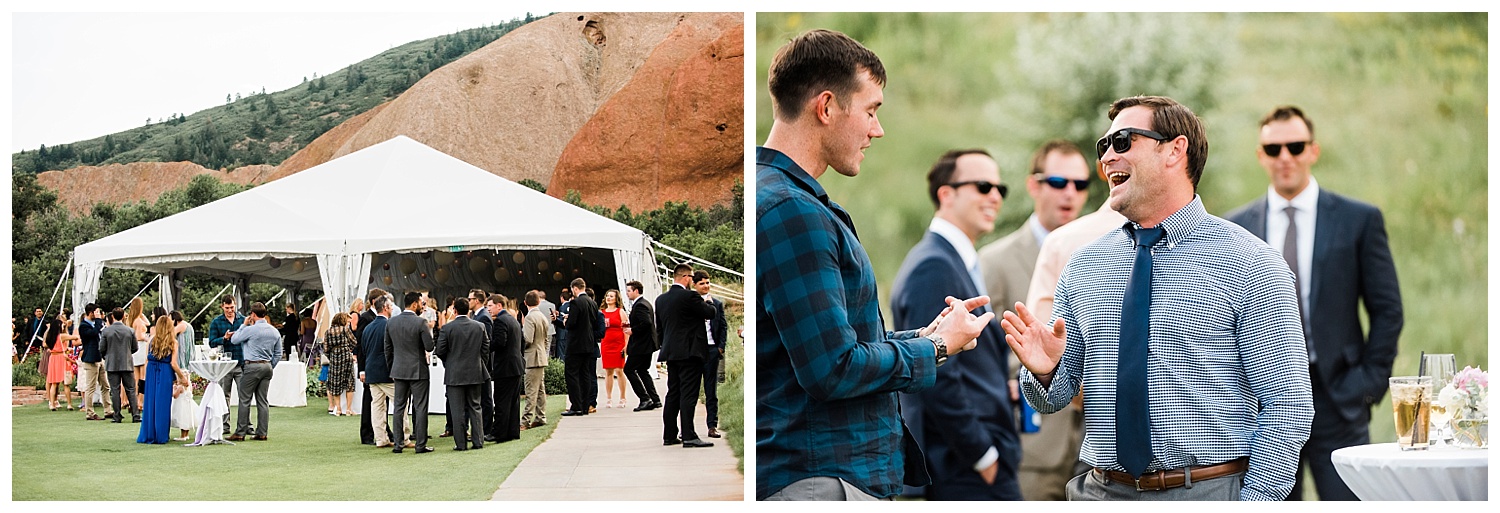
(1411, 396)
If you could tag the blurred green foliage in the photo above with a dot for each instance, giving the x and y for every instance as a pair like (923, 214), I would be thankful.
(1399, 101)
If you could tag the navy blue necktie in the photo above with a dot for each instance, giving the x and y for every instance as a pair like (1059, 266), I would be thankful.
(1132, 412)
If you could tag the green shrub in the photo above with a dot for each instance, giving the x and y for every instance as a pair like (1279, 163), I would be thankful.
(24, 374)
(556, 383)
(315, 387)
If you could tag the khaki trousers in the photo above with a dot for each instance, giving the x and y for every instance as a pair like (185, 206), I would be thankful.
(536, 397)
(379, 394)
(92, 378)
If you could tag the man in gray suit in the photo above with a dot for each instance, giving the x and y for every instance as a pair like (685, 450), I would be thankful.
(262, 345)
(118, 344)
(1337, 249)
(407, 342)
(463, 344)
(1058, 187)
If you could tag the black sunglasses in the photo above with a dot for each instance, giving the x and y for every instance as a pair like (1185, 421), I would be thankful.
(1058, 182)
(1121, 140)
(983, 187)
(1274, 150)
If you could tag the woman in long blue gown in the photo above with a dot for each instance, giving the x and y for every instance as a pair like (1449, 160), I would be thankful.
(161, 372)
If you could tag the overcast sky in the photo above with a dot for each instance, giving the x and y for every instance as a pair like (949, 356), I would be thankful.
(77, 76)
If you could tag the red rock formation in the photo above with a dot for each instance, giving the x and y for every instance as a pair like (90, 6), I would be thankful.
(675, 132)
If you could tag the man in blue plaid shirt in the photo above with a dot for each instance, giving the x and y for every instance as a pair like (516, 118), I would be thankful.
(828, 422)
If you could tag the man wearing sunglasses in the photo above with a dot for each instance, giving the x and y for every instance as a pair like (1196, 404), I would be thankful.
(965, 423)
(1338, 251)
(1058, 185)
(1182, 326)
(828, 423)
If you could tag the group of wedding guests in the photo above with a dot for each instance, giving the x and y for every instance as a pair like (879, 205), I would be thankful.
(122, 357)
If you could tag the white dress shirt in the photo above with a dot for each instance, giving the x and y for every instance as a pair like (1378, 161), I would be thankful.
(1306, 203)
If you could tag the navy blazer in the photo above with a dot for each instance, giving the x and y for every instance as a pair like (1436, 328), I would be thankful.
(1351, 259)
(372, 352)
(969, 409)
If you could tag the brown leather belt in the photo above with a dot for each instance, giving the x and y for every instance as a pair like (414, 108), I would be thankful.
(1168, 479)
(257, 361)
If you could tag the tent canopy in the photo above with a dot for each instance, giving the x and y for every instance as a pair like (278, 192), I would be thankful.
(319, 228)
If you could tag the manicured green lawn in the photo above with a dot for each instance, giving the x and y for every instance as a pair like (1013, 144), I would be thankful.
(311, 455)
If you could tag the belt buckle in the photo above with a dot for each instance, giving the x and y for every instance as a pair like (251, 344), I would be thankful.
(1161, 482)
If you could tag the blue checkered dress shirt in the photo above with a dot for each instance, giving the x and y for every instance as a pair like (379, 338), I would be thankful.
(1226, 369)
(827, 371)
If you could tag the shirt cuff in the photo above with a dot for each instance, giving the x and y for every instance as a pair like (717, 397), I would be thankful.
(989, 458)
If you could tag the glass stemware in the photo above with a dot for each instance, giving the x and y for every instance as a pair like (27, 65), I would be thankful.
(1441, 367)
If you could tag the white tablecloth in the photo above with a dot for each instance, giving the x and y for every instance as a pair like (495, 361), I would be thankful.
(1383, 472)
(437, 392)
(288, 386)
(211, 411)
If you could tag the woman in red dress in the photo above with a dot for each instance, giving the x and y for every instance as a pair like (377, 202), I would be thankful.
(613, 347)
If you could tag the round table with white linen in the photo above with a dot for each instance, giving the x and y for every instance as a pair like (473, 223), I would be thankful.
(1383, 472)
(213, 408)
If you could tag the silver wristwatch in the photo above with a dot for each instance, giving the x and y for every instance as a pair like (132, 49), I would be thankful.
(942, 348)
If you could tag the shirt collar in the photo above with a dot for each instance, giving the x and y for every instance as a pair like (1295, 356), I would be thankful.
(775, 159)
(1305, 201)
(1037, 230)
(957, 239)
(1177, 225)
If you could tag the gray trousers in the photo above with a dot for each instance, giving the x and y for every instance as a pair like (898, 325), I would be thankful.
(1092, 486)
(227, 383)
(463, 412)
(822, 488)
(413, 393)
(255, 381)
(123, 381)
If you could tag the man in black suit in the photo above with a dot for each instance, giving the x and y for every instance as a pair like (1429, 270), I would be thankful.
(366, 429)
(579, 321)
(680, 314)
(1337, 249)
(506, 346)
(407, 342)
(718, 330)
(464, 346)
(642, 345)
(375, 373)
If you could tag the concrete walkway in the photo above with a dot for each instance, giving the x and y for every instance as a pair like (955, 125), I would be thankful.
(617, 454)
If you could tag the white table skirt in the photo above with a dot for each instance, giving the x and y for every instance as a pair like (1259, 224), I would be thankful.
(211, 411)
(437, 392)
(1383, 472)
(288, 386)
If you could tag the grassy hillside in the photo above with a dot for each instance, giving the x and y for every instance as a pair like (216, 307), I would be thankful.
(1399, 102)
(267, 128)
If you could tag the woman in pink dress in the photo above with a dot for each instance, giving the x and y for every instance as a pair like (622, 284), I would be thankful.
(58, 340)
(612, 348)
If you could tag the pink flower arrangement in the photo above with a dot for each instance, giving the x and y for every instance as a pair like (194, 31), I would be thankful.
(1467, 397)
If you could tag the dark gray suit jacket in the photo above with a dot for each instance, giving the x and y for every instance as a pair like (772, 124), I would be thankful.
(1351, 260)
(463, 344)
(508, 345)
(679, 315)
(642, 329)
(117, 342)
(407, 341)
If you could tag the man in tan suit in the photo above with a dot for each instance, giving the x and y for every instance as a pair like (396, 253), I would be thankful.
(1058, 187)
(534, 332)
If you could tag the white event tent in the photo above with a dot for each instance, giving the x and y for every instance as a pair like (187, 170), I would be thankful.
(322, 227)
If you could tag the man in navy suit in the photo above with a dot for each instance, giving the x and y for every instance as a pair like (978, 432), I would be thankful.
(965, 423)
(718, 330)
(1338, 251)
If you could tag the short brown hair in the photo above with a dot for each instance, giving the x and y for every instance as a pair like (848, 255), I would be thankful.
(942, 171)
(632, 284)
(258, 309)
(340, 319)
(1057, 145)
(532, 299)
(816, 61)
(683, 269)
(578, 283)
(375, 292)
(1172, 119)
(1286, 112)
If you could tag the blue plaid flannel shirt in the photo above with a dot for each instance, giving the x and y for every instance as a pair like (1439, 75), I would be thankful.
(216, 330)
(827, 371)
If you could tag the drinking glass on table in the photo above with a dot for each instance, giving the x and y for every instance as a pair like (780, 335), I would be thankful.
(1411, 398)
(1441, 367)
